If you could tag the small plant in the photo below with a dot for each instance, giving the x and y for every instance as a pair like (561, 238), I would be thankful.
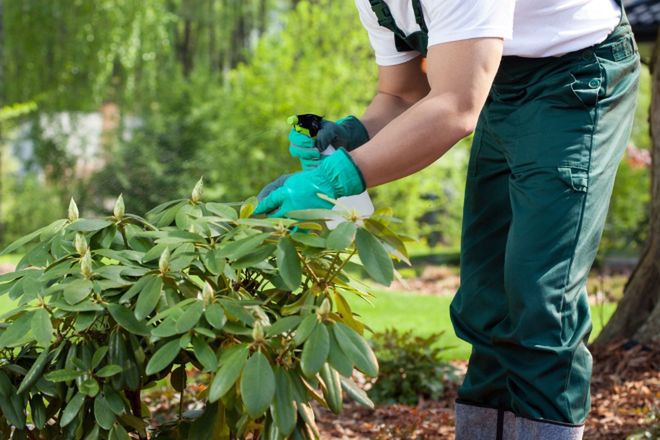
(410, 367)
(107, 307)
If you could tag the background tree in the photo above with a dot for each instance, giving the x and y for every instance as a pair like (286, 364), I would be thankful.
(638, 314)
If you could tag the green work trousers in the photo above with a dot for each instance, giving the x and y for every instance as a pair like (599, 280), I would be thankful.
(541, 172)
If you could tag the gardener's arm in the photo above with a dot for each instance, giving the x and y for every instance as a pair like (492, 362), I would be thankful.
(399, 88)
(460, 75)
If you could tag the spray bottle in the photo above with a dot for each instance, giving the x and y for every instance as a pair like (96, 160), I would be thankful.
(310, 125)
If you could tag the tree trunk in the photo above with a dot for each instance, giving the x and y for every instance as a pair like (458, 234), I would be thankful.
(638, 315)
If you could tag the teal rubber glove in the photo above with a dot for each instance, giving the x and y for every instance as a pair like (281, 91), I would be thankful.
(336, 177)
(347, 132)
(272, 186)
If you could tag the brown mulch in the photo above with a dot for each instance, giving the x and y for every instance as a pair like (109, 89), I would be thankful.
(625, 394)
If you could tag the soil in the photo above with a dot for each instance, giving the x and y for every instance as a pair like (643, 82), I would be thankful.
(625, 398)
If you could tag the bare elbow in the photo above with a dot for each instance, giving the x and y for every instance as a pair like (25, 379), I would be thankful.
(465, 124)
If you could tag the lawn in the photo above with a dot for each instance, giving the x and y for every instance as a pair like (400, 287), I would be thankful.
(426, 314)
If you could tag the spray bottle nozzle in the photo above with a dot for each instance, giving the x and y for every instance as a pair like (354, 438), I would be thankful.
(308, 124)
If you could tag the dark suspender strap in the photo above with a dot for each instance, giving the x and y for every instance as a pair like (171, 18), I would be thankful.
(385, 18)
(500, 425)
(419, 15)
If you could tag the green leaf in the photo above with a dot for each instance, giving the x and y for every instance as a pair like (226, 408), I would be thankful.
(42, 328)
(315, 351)
(215, 315)
(77, 290)
(83, 306)
(99, 355)
(356, 349)
(178, 379)
(148, 298)
(136, 288)
(356, 393)
(288, 263)
(305, 329)
(90, 387)
(72, 409)
(342, 236)
(384, 233)
(257, 385)
(63, 375)
(224, 211)
(204, 354)
(236, 249)
(374, 257)
(88, 225)
(118, 433)
(332, 389)
(34, 373)
(309, 239)
(190, 317)
(283, 407)
(38, 411)
(163, 357)
(248, 207)
(315, 214)
(126, 319)
(213, 263)
(16, 332)
(102, 412)
(283, 325)
(338, 359)
(109, 370)
(50, 229)
(228, 373)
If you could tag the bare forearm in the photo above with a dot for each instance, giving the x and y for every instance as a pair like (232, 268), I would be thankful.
(383, 109)
(413, 140)
(460, 75)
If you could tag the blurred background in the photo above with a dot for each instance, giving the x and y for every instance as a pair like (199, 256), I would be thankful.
(144, 97)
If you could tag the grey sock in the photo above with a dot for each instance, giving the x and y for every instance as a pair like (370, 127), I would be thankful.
(527, 429)
(481, 423)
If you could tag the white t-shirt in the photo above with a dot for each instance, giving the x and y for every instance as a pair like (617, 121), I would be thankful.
(530, 28)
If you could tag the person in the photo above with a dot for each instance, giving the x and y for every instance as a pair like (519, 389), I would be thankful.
(549, 91)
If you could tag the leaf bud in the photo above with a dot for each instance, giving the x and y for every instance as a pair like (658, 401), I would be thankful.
(198, 190)
(258, 332)
(86, 265)
(74, 214)
(119, 208)
(81, 244)
(164, 261)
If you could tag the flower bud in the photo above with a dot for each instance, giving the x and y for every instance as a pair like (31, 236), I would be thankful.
(119, 208)
(207, 293)
(258, 332)
(325, 307)
(198, 190)
(73, 211)
(86, 265)
(81, 244)
(164, 261)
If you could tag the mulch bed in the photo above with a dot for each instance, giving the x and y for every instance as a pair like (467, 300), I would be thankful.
(625, 394)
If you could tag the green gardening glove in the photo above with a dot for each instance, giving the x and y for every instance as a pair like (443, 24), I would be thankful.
(347, 132)
(337, 176)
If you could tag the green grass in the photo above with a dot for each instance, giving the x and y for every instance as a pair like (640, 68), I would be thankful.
(426, 314)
